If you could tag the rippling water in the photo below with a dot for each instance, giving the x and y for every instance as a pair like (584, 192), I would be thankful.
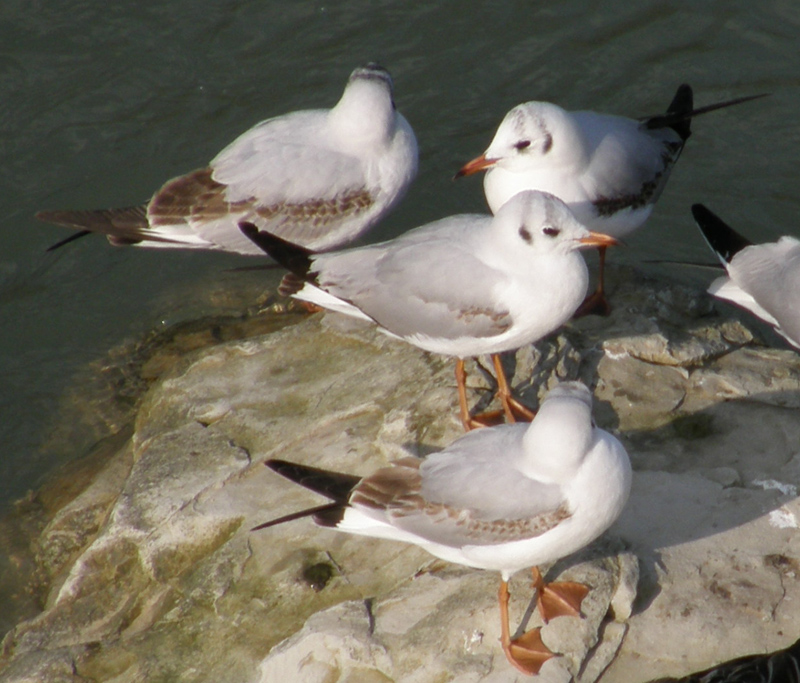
(102, 102)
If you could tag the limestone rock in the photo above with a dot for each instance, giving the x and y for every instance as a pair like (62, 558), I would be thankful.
(152, 573)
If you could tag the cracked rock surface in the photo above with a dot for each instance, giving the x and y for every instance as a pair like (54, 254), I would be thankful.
(147, 571)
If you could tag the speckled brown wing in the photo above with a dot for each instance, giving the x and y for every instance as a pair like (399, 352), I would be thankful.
(397, 492)
(426, 283)
(194, 196)
(199, 201)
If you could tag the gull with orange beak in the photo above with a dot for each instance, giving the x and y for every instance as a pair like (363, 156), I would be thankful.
(504, 499)
(462, 286)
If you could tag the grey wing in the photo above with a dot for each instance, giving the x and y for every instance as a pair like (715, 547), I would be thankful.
(400, 495)
(283, 176)
(629, 164)
(479, 471)
(427, 283)
(770, 273)
(286, 159)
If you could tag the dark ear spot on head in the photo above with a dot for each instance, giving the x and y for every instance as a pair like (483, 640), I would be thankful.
(525, 234)
(547, 143)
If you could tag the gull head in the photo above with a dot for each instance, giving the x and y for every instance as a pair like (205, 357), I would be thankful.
(570, 391)
(373, 73)
(532, 136)
(538, 222)
(366, 112)
(561, 434)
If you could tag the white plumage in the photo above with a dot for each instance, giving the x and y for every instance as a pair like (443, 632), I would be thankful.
(462, 286)
(319, 178)
(503, 498)
(761, 278)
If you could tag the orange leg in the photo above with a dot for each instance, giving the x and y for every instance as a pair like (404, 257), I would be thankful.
(512, 407)
(559, 599)
(470, 422)
(596, 303)
(461, 385)
(526, 653)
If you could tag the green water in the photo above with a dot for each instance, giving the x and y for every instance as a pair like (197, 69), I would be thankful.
(102, 102)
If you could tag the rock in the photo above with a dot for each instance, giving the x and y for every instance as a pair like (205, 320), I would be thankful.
(147, 569)
(720, 585)
(400, 637)
(336, 644)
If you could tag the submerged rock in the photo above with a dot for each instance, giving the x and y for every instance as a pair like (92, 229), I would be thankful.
(148, 570)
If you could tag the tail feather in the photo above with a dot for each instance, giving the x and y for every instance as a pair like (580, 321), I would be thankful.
(293, 257)
(122, 226)
(680, 111)
(329, 516)
(309, 512)
(290, 284)
(67, 240)
(681, 105)
(724, 241)
(334, 485)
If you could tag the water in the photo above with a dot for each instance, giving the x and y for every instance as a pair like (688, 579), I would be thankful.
(103, 102)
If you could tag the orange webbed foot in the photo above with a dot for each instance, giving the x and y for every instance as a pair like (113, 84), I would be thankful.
(528, 652)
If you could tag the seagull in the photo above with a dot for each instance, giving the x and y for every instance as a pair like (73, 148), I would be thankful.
(609, 170)
(504, 498)
(462, 286)
(320, 178)
(761, 278)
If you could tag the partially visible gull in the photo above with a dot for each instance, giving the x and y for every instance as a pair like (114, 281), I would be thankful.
(761, 278)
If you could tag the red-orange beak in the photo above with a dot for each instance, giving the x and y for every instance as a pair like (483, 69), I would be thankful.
(598, 239)
(480, 163)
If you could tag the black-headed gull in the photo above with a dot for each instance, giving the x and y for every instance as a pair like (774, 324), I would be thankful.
(461, 286)
(762, 278)
(319, 178)
(609, 170)
(504, 498)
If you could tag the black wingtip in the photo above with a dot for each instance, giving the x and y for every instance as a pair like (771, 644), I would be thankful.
(680, 112)
(724, 241)
(681, 107)
(293, 257)
(334, 485)
(309, 512)
(67, 240)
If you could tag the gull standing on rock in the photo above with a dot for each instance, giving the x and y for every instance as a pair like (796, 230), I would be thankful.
(320, 178)
(761, 278)
(461, 286)
(504, 498)
(609, 170)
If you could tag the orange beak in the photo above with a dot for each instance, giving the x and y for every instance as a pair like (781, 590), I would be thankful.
(598, 239)
(480, 163)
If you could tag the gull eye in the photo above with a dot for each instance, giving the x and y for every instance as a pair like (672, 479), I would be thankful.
(522, 144)
(551, 232)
